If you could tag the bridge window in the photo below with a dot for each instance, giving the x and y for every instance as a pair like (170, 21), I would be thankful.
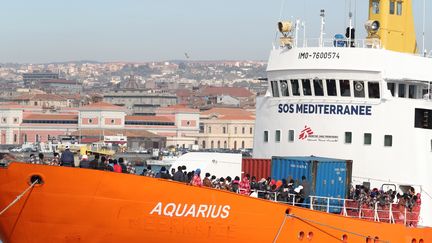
(331, 87)
(388, 140)
(412, 91)
(266, 136)
(392, 6)
(284, 88)
(391, 87)
(318, 87)
(399, 8)
(375, 6)
(278, 136)
(345, 89)
(359, 89)
(291, 136)
(401, 93)
(348, 137)
(368, 138)
(307, 91)
(275, 89)
(295, 88)
(374, 92)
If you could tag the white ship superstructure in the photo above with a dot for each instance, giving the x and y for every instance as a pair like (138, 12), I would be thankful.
(362, 102)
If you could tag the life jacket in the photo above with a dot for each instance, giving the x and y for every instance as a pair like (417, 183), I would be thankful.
(117, 168)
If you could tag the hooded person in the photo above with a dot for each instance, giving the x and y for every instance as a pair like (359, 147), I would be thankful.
(196, 180)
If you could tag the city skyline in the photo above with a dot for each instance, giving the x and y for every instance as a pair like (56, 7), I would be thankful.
(142, 31)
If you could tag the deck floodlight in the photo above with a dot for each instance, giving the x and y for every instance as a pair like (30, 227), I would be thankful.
(372, 26)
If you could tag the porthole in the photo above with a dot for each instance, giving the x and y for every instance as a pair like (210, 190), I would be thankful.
(310, 235)
(301, 235)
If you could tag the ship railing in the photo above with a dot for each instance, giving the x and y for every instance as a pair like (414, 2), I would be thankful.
(342, 43)
(390, 213)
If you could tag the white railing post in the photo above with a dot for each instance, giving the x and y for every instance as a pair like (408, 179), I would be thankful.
(376, 217)
(405, 216)
(391, 217)
(328, 205)
(345, 213)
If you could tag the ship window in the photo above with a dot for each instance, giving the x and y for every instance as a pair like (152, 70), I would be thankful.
(306, 87)
(391, 87)
(266, 136)
(344, 86)
(291, 136)
(374, 92)
(392, 6)
(284, 88)
(278, 136)
(423, 118)
(359, 89)
(401, 93)
(348, 137)
(295, 88)
(367, 138)
(318, 87)
(411, 91)
(275, 90)
(388, 140)
(331, 87)
(375, 6)
(399, 8)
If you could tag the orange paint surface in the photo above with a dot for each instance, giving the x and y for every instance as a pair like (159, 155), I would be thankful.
(83, 205)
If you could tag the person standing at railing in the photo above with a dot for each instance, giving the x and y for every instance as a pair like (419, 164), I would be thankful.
(305, 191)
(244, 185)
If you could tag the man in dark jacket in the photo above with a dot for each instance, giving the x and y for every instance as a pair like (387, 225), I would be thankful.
(67, 158)
(122, 164)
(178, 175)
(94, 163)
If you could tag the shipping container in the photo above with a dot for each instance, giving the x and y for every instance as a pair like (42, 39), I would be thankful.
(260, 168)
(327, 177)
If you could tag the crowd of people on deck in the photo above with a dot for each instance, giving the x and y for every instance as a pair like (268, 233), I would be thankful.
(267, 188)
(366, 197)
(67, 158)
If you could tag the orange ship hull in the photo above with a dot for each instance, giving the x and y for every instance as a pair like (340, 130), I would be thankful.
(81, 205)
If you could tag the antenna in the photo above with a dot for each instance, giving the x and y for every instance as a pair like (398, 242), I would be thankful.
(350, 24)
(297, 25)
(304, 33)
(321, 40)
(424, 24)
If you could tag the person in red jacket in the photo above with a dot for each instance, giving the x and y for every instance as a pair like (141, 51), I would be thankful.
(244, 186)
(196, 180)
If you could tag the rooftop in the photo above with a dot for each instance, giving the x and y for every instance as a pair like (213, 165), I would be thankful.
(102, 106)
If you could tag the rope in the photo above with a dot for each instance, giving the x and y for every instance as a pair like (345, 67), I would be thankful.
(280, 228)
(332, 227)
(19, 197)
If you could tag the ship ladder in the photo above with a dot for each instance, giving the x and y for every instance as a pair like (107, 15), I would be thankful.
(19, 197)
(312, 222)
